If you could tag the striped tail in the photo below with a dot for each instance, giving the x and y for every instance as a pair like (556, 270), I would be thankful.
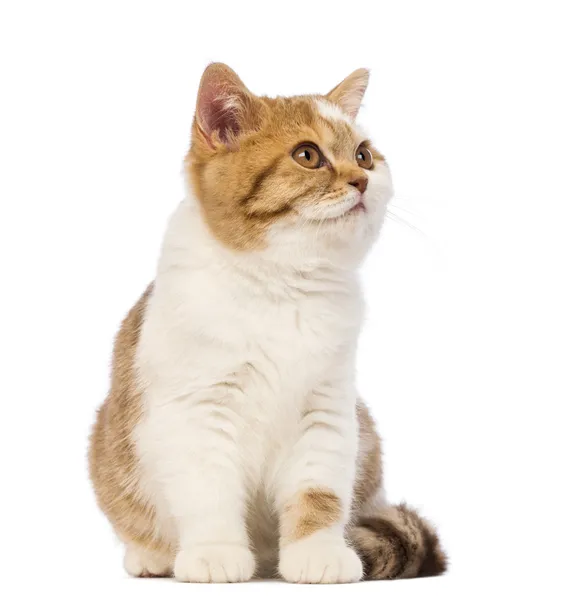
(397, 543)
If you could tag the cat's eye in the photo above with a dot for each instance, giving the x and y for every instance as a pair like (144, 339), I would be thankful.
(307, 155)
(364, 157)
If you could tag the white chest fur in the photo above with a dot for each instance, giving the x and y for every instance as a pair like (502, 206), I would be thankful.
(239, 349)
(210, 318)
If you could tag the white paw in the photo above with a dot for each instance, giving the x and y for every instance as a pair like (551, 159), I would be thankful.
(143, 564)
(311, 561)
(133, 564)
(215, 563)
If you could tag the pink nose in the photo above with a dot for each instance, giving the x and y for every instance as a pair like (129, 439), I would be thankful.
(360, 184)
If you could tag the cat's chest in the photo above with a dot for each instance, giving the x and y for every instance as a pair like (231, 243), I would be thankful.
(285, 350)
(290, 331)
(272, 346)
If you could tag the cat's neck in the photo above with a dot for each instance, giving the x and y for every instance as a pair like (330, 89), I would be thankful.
(190, 246)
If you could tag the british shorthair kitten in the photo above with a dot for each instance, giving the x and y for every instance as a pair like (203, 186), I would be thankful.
(232, 443)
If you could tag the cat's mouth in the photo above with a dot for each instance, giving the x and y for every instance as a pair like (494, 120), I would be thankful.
(358, 207)
(355, 209)
(339, 211)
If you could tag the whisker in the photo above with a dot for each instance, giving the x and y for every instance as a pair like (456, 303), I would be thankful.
(402, 208)
(402, 221)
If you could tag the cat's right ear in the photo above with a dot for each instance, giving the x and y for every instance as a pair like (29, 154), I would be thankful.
(225, 107)
(348, 94)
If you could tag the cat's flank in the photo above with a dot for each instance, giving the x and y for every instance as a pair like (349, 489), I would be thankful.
(232, 443)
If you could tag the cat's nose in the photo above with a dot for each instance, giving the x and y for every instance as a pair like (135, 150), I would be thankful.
(360, 184)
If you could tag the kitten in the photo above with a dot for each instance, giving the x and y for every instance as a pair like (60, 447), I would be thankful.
(232, 443)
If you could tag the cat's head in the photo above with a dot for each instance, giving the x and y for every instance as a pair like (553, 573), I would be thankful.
(293, 179)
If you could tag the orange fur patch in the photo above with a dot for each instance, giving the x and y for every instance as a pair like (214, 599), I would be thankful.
(112, 459)
(311, 510)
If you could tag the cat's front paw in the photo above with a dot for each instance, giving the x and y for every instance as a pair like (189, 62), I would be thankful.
(314, 561)
(214, 563)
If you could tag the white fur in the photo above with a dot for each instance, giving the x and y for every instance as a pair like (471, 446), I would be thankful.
(140, 563)
(331, 111)
(319, 559)
(217, 563)
(247, 360)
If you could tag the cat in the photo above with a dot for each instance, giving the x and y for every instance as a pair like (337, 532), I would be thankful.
(232, 443)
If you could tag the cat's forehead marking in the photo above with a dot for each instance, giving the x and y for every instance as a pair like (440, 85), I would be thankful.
(338, 135)
(332, 112)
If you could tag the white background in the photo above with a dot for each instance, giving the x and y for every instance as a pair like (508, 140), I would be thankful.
(460, 356)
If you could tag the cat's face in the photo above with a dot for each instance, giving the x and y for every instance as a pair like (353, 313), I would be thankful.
(290, 178)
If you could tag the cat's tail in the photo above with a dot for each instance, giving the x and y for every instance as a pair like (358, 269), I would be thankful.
(396, 543)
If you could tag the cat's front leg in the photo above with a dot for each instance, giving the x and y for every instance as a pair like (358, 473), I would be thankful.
(202, 475)
(315, 492)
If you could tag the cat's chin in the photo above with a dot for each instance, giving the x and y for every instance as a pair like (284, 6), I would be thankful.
(343, 243)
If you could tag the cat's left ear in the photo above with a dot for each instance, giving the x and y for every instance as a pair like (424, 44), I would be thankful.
(349, 93)
(225, 107)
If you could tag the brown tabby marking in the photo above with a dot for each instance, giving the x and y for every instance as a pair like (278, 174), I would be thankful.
(311, 510)
(397, 544)
(112, 459)
(369, 461)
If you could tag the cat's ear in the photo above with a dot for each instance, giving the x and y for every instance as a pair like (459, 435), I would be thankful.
(225, 107)
(349, 93)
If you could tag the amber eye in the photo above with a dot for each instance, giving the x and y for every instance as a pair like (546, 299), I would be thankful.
(364, 157)
(307, 156)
